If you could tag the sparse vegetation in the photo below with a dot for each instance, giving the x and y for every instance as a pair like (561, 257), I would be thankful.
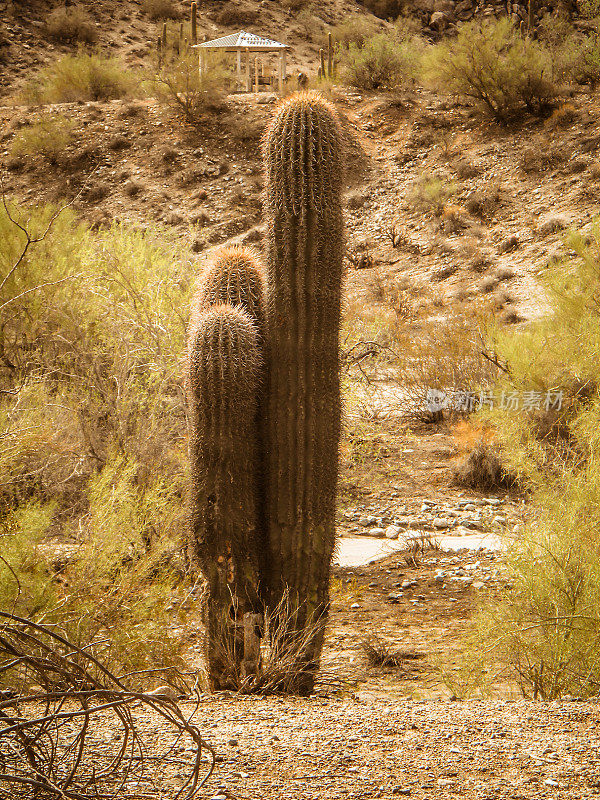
(354, 30)
(71, 25)
(380, 653)
(161, 9)
(180, 84)
(79, 77)
(431, 193)
(92, 453)
(547, 627)
(492, 65)
(46, 138)
(381, 62)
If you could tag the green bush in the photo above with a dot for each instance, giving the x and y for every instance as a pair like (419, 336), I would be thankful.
(355, 29)
(431, 193)
(179, 83)
(92, 454)
(71, 25)
(546, 629)
(46, 137)
(492, 64)
(79, 77)
(383, 62)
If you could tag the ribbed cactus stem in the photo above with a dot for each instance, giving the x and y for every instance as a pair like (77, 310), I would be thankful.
(235, 277)
(224, 376)
(164, 36)
(329, 55)
(302, 151)
(322, 59)
(194, 23)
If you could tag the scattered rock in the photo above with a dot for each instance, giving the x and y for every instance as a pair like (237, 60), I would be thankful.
(392, 532)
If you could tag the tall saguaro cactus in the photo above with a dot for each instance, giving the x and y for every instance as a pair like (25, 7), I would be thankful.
(224, 375)
(302, 151)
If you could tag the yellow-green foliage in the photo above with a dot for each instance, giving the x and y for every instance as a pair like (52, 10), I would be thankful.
(431, 193)
(179, 83)
(490, 63)
(381, 61)
(92, 454)
(47, 137)
(355, 29)
(547, 629)
(81, 76)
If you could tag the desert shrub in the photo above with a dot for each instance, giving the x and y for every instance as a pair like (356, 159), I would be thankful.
(355, 29)
(161, 9)
(192, 93)
(546, 629)
(491, 64)
(482, 468)
(92, 453)
(431, 193)
(82, 76)
(230, 15)
(47, 137)
(71, 25)
(383, 62)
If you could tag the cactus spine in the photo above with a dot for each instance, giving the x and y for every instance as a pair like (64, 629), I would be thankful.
(302, 151)
(194, 23)
(234, 277)
(225, 364)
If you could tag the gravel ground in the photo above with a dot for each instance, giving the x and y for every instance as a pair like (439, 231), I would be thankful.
(355, 748)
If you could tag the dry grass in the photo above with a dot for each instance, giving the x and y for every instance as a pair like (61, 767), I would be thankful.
(161, 9)
(71, 25)
(380, 653)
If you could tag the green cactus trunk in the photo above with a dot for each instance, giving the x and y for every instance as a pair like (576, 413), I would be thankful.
(301, 435)
(224, 376)
(194, 23)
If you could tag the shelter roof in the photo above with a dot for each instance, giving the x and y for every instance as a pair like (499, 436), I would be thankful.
(243, 40)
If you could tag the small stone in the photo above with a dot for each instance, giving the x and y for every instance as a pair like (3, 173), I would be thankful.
(392, 532)
(492, 501)
(550, 782)
(440, 524)
(394, 597)
(165, 693)
(377, 532)
(354, 606)
(478, 584)
(233, 742)
(445, 783)
(366, 521)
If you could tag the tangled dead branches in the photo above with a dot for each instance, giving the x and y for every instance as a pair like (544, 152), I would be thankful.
(70, 729)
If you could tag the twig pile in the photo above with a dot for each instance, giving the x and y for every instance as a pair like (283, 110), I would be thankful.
(70, 729)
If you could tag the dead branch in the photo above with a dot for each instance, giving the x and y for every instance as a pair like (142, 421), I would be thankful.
(70, 729)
